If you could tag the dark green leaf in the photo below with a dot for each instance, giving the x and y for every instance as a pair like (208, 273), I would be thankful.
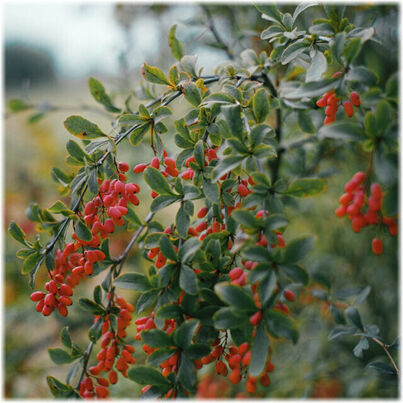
(382, 367)
(59, 356)
(83, 232)
(226, 318)
(65, 336)
(260, 351)
(82, 128)
(157, 181)
(260, 105)
(90, 306)
(132, 281)
(188, 249)
(184, 334)
(167, 248)
(98, 92)
(225, 165)
(188, 280)
(146, 300)
(354, 316)
(280, 325)
(192, 93)
(16, 232)
(295, 273)
(147, 376)
(232, 114)
(156, 338)
(306, 187)
(235, 296)
(341, 331)
(352, 50)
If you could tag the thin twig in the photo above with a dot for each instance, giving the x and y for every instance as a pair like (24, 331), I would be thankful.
(215, 33)
(387, 353)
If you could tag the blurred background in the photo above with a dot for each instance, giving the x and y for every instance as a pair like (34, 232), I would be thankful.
(50, 51)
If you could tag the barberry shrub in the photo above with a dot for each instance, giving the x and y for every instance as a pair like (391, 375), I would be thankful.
(222, 277)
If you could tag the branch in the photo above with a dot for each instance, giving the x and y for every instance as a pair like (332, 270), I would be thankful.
(215, 33)
(385, 348)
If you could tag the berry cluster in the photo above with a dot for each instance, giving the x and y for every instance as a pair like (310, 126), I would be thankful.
(113, 352)
(353, 202)
(332, 103)
(57, 297)
(71, 266)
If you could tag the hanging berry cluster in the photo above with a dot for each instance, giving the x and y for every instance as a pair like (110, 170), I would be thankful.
(332, 103)
(364, 211)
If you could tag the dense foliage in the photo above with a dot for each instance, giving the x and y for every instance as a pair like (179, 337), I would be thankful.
(222, 278)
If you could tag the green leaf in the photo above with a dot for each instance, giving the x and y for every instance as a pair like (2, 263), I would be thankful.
(271, 11)
(186, 372)
(192, 93)
(323, 28)
(83, 232)
(295, 272)
(156, 338)
(341, 331)
(60, 208)
(354, 316)
(188, 280)
(59, 356)
(170, 311)
(258, 254)
(235, 296)
(167, 248)
(317, 68)
(138, 133)
(188, 249)
(184, 334)
(260, 105)
(313, 89)
(266, 287)
(76, 151)
(174, 44)
(383, 113)
(246, 218)
(65, 336)
(280, 325)
(182, 222)
(146, 300)
(229, 318)
(305, 122)
(232, 114)
(226, 165)
(159, 356)
(197, 351)
(337, 314)
(162, 201)
(83, 128)
(59, 389)
(218, 98)
(342, 131)
(260, 351)
(211, 191)
(301, 8)
(91, 306)
(147, 376)
(382, 367)
(297, 249)
(293, 51)
(17, 105)
(306, 187)
(363, 75)
(17, 233)
(362, 345)
(133, 281)
(352, 50)
(30, 262)
(98, 92)
(157, 181)
(154, 75)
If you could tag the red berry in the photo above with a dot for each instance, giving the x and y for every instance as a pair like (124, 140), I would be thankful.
(123, 166)
(37, 296)
(139, 168)
(348, 108)
(289, 295)
(377, 246)
(355, 98)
